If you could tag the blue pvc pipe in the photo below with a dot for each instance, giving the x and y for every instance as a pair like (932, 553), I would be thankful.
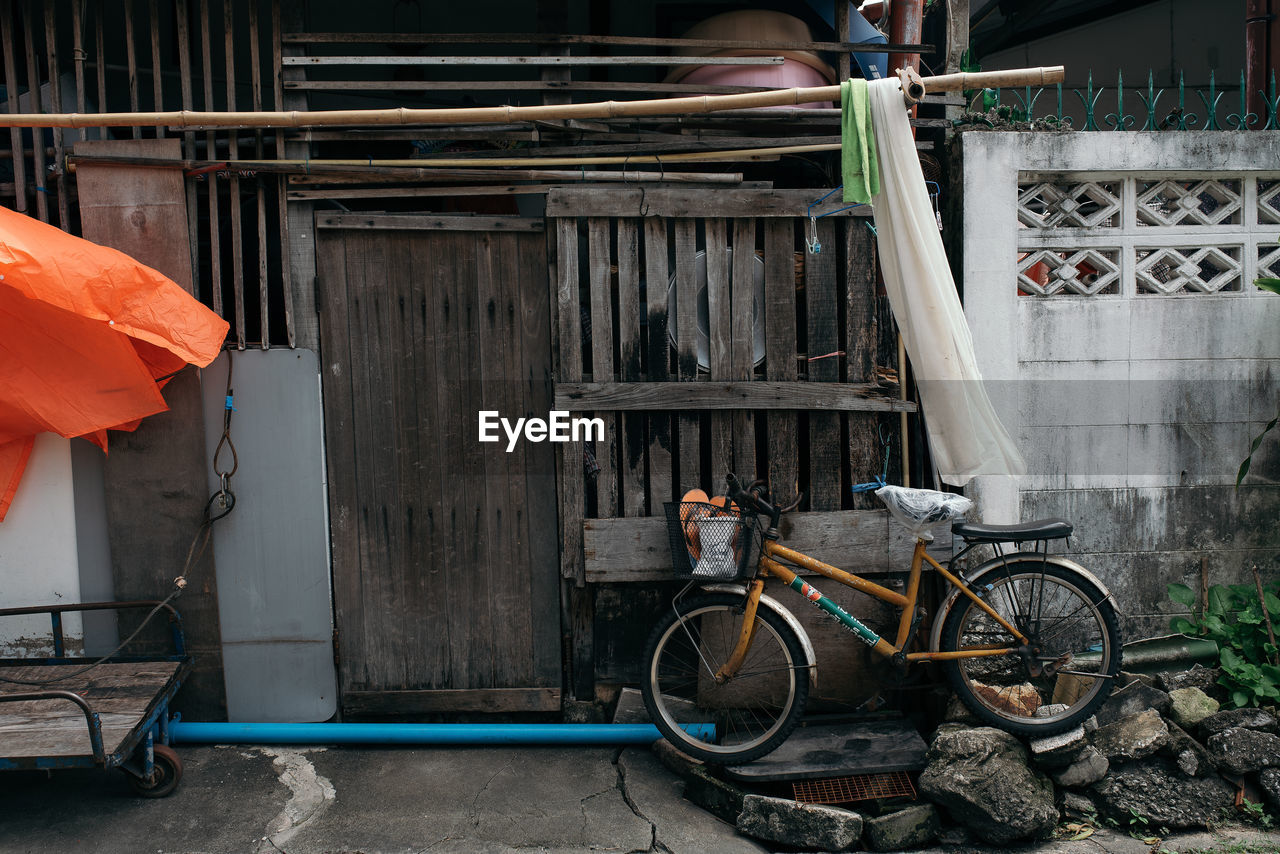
(342, 733)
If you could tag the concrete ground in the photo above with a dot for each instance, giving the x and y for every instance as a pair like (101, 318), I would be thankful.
(262, 800)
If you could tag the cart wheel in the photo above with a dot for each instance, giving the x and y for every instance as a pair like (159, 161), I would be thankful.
(165, 774)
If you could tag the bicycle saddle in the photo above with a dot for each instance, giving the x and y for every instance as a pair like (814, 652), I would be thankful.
(1040, 529)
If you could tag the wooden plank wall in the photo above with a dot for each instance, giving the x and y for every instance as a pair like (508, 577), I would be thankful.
(807, 417)
(136, 55)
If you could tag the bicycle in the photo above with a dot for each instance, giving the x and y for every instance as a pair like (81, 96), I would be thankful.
(1029, 641)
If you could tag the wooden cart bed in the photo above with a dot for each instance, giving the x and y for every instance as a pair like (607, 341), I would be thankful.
(122, 693)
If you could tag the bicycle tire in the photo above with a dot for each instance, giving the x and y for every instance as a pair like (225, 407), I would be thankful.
(1065, 616)
(753, 712)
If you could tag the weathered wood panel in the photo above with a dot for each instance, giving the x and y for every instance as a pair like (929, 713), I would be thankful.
(764, 394)
(860, 541)
(157, 484)
(678, 202)
(433, 702)
(743, 309)
(445, 548)
(862, 334)
(780, 353)
(662, 483)
(823, 366)
(120, 692)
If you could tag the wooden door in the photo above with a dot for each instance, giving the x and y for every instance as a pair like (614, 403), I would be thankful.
(445, 550)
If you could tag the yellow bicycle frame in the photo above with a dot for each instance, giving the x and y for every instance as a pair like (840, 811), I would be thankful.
(906, 602)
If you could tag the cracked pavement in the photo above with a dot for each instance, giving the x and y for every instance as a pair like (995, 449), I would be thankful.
(300, 800)
(489, 800)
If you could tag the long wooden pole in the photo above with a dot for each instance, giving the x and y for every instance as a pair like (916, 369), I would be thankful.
(488, 115)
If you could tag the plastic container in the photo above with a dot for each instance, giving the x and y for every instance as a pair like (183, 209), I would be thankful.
(790, 74)
(800, 68)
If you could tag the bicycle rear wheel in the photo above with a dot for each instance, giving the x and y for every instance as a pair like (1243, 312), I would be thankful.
(1066, 671)
(754, 711)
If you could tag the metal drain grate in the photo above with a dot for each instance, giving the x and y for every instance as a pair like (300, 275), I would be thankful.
(859, 787)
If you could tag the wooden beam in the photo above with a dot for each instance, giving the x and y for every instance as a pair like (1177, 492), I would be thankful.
(862, 541)
(674, 202)
(420, 222)
(828, 397)
(549, 38)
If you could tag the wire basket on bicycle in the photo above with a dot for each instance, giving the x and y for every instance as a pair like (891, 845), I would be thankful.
(710, 540)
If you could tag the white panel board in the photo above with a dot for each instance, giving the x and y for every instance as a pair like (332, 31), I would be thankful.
(274, 599)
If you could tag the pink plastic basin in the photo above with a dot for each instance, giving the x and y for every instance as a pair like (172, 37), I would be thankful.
(790, 74)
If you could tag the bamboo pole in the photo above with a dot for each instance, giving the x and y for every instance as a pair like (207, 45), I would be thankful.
(487, 115)
(414, 173)
(340, 166)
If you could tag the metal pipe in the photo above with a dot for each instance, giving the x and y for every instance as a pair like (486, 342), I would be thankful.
(1257, 24)
(361, 733)
(905, 22)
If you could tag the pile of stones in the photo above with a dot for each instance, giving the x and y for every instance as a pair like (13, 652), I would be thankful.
(1159, 756)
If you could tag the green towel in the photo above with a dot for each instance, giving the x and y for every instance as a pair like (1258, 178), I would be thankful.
(858, 165)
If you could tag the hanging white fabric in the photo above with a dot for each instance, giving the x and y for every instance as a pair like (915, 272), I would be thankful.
(965, 434)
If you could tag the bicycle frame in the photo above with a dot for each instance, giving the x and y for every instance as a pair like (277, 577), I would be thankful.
(769, 567)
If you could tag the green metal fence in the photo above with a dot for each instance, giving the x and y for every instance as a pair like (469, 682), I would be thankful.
(989, 106)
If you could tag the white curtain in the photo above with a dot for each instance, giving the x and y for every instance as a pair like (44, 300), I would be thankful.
(965, 434)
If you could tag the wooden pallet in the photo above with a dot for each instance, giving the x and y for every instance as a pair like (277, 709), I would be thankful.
(122, 693)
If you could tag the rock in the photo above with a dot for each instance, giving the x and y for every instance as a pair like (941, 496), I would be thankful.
(955, 835)
(909, 828)
(1189, 706)
(1269, 780)
(957, 711)
(1231, 718)
(949, 726)
(1188, 754)
(1057, 751)
(1130, 700)
(1088, 768)
(1090, 724)
(981, 776)
(1076, 806)
(1243, 751)
(1128, 678)
(1158, 791)
(1133, 737)
(1022, 700)
(1204, 678)
(811, 826)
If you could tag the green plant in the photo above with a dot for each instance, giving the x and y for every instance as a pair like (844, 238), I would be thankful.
(1237, 619)
(1272, 285)
(1256, 814)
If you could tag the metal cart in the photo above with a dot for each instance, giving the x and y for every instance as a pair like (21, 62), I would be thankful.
(111, 715)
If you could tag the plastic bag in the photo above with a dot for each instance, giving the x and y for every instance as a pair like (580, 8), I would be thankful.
(921, 509)
(717, 538)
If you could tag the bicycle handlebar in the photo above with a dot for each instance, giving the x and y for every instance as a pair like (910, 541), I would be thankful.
(750, 497)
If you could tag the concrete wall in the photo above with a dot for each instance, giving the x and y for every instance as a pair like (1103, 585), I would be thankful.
(38, 562)
(1137, 364)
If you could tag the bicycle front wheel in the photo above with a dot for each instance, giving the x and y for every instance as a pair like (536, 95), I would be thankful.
(1061, 676)
(753, 712)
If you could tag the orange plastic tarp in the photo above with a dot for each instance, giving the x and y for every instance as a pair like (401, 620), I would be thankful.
(87, 336)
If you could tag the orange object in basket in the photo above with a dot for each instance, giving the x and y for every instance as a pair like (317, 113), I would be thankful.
(693, 509)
